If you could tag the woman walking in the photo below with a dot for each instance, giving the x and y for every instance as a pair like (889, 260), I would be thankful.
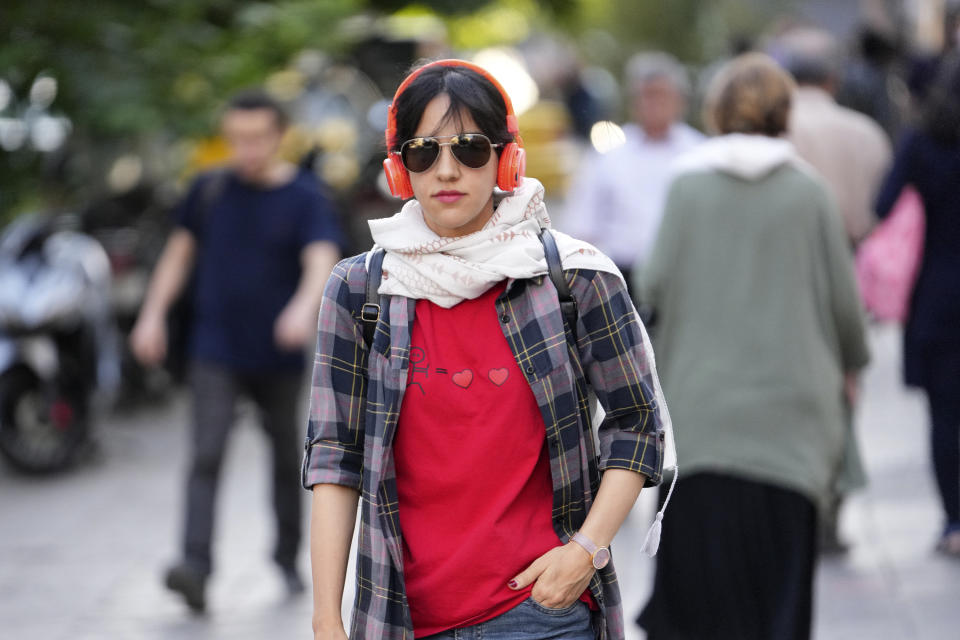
(758, 328)
(928, 158)
(464, 424)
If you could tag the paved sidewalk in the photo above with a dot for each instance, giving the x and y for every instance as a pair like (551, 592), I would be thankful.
(82, 554)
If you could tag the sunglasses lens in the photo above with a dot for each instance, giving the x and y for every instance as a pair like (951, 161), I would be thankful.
(472, 150)
(419, 154)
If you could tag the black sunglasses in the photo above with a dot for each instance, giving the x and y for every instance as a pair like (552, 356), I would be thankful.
(470, 149)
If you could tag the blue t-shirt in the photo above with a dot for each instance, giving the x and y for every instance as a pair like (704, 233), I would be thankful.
(248, 265)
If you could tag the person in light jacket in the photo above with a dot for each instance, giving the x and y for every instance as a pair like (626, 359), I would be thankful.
(758, 333)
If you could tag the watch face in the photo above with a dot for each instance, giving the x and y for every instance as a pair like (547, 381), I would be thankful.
(601, 558)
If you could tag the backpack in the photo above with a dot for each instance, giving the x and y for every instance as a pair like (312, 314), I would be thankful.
(370, 312)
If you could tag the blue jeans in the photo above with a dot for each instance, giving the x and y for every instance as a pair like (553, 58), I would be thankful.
(529, 620)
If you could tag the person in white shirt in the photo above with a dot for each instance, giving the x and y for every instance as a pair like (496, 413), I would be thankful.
(616, 200)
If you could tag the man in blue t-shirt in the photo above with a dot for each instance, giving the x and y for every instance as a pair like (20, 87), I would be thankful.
(261, 240)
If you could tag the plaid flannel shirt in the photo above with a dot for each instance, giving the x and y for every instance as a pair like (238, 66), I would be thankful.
(356, 398)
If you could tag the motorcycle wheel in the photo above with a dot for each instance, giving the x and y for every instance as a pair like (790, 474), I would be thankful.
(40, 430)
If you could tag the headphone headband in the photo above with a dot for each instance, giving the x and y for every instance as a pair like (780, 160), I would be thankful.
(391, 131)
(511, 163)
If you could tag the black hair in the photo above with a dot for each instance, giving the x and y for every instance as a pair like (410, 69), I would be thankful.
(876, 46)
(941, 109)
(467, 90)
(256, 99)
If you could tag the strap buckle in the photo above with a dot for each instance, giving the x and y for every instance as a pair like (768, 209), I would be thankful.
(370, 312)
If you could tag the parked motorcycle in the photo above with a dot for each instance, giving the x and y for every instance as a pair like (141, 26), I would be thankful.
(58, 346)
(132, 227)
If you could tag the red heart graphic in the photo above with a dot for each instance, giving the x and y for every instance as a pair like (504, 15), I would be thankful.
(498, 376)
(463, 378)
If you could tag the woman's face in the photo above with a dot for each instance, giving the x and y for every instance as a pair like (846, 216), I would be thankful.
(456, 199)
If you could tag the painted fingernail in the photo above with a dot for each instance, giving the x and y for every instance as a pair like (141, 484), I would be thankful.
(512, 584)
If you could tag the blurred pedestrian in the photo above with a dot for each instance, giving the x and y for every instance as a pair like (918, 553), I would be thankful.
(849, 150)
(925, 64)
(872, 80)
(928, 158)
(261, 240)
(616, 199)
(759, 332)
(851, 153)
(463, 423)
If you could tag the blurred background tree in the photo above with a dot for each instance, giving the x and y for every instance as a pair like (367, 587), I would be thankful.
(134, 74)
(83, 84)
(694, 31)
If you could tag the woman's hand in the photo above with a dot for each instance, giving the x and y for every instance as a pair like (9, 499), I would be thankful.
(559, 576)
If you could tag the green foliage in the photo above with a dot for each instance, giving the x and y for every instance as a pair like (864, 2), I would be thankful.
(159, 68)
(446, 7)
(466, 7)
(696, 31)
(136, 74)
(126, 67)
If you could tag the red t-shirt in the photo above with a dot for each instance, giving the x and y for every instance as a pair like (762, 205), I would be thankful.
(473, 475)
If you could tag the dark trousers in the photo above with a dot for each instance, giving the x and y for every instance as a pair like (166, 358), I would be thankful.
(945, 448)
(736, 562)
(215, 392)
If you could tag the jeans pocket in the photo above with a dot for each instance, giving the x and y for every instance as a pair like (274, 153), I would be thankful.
(554, 612)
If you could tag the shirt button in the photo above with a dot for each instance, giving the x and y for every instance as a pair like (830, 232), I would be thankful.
(530, 370)
(504, 318)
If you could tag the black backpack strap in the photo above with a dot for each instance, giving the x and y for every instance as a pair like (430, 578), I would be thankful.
(370, 312)
(568, 305)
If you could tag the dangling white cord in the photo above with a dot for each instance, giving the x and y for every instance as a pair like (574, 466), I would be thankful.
(651, 543)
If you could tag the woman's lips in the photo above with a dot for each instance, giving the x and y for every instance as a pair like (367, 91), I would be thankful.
(448, 196)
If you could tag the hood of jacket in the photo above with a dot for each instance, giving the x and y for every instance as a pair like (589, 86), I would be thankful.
(745, 156)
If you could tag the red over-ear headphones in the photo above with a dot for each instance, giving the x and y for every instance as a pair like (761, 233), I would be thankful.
(513, 158)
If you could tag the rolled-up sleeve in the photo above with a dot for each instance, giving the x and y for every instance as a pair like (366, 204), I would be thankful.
(619, 366)
(334, 443)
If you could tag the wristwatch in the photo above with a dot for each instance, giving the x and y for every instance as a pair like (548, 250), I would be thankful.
(600, 556)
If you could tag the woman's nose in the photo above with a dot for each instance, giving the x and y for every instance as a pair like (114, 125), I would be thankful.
(448, 167)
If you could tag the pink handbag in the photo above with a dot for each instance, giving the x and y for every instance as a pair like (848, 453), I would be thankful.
(888, 261)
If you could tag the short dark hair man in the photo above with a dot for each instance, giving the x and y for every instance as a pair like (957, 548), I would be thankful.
(262, 241)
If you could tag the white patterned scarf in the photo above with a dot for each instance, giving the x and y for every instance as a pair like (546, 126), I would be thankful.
(420, 264)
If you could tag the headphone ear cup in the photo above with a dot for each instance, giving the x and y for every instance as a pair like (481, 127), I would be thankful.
(513, 165)
(397, 178)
